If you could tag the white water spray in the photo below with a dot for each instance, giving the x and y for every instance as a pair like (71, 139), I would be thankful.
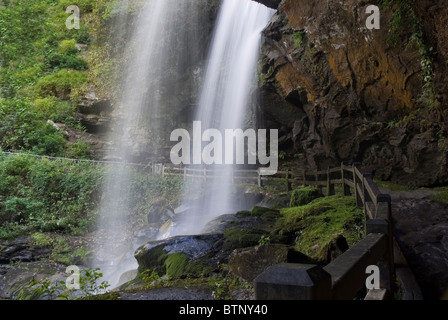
(159, 48)
(230, 75)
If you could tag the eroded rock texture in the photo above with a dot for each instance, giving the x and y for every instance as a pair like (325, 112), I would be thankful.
(338, 91)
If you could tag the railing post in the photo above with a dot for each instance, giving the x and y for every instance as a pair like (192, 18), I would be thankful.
(330, 186)
(288, 183)
(185, 173)
(260, 183)
(356, 166)
(364, 190)
(293, 281)
(345, 188)
(384, 211)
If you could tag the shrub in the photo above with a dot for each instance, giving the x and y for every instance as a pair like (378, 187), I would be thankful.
(46, 141)
(43, 195)
(61, 84)
(50, 108)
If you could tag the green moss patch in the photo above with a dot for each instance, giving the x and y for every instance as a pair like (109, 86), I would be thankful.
(304, 195)
(313, 226)
(175, 264)
(242, 238)
(442, 194)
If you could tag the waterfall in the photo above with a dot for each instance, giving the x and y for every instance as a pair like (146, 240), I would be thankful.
(223, 103)
(160, 46)
(164, 41)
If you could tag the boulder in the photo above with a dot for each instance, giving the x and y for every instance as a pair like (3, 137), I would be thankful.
(15, 279)
(22, 249)
(191, 255)
(304, 195)
(248, 263)
(159, 212)
(94, 113)
(332, 250)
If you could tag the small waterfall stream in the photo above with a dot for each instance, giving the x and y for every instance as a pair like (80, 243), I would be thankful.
(223, 104)
(160, 45)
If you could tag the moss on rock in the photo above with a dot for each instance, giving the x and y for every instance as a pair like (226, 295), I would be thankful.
(304, 195)
(175, 264)
(313, 226)
(241, 237)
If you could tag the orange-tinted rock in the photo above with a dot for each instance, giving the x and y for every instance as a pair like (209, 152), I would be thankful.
(342, 88)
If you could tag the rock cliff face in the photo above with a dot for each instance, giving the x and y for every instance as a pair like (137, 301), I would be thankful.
(341, 92)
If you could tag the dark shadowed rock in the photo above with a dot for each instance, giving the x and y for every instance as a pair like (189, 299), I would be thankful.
(334, 249)
(191, 255)
(22, 249)
(421, 230)
(94, 113)
(248, 263)
(270, 3)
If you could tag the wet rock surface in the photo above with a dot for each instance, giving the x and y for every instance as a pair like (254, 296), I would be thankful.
(421, 231)
(21, 250)
(13, 278)
(195, 247)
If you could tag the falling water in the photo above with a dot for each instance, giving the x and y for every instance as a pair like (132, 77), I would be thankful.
(223, 103)
(163, 43)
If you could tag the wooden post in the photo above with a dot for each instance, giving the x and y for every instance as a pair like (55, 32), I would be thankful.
(260, 183)
(316, 184)
(293, 281)
(288, 183)
(356, 165)
(330, 186)
(384, 211)
(345, 188)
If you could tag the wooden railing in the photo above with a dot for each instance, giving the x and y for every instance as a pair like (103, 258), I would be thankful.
(345, 276)
(238, 176)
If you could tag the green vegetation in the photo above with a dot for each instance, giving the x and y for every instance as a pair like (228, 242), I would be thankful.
(304, 195)
(40, 195)
(405, 22)
(225, 284)
(441, 195)
(311, 227)
(392, 186)
(44, 72)
(298, 38)
(45, 196)
(89, 286)
(240, 236)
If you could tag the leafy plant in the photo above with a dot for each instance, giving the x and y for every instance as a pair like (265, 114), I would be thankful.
(404, 19)
(264, 240)
(89, 286)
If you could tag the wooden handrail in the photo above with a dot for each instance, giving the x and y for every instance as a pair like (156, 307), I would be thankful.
(347, 272)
